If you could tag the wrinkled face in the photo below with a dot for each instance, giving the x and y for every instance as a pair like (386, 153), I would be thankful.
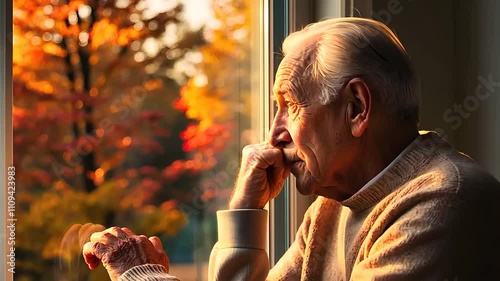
(313, 136)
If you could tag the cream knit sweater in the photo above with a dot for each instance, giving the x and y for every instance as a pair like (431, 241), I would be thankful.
(432, 215)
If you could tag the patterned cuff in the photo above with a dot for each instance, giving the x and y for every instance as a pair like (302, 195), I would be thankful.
(147, 272)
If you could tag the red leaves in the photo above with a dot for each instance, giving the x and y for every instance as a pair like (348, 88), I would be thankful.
(181, 105)
(174, 170)
(214, 138)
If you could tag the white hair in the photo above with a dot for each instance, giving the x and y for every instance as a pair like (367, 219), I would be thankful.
(355, 47)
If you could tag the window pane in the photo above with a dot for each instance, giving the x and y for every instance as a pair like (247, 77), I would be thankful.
(130, 113)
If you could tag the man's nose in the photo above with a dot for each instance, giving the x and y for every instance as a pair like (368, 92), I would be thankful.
(279, 135)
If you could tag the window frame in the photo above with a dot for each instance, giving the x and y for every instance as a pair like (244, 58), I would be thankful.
(5, 122)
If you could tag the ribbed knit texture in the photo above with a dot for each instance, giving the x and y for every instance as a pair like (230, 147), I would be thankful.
(147, 272)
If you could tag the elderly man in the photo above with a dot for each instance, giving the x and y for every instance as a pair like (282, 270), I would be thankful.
(393, 203)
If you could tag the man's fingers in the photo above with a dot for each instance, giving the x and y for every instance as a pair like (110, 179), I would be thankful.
(158, 246)
(156, 242)
(128, 231)
(110, 235)
(118, 232)
(96, 236)
(263, 157)
(103, 237)
(108, 239)
(92, 253)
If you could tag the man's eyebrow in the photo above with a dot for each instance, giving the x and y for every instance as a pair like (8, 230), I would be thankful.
(276, 91)
(275, 95)
(284, 89)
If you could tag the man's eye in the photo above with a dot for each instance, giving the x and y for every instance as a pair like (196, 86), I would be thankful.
(292, 106)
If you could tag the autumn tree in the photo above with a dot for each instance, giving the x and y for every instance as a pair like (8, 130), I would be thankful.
(95, 134)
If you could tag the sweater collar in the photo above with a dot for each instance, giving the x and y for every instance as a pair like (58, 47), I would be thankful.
(396, 173)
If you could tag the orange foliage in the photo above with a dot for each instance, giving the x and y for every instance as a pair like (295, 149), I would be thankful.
(209, 97)
(195, 100)
(90, 125)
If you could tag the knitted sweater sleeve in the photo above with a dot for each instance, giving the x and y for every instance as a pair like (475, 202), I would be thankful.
(240, 252)
(149, 272)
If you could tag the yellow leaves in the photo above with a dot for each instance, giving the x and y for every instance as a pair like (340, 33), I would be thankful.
(52, 213)
(61, 185)
(211, 102)
(102, 33)
(105, 32)
(70, 31)
(156, 221)
(209, 55)
(53, 49)
(128, 35)
(19, 45)
(40, 86)
(25, 53)
(206, 106)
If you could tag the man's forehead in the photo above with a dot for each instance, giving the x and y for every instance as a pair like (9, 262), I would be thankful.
(300, 42)
(297, 49)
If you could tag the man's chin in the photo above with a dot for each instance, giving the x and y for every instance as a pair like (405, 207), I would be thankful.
(305, 190)
(304, 187)
(303, 180)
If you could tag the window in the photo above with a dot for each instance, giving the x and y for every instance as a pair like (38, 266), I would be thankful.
(131, 113)
(134, 113)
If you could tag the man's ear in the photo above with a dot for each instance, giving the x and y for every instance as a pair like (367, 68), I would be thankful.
(358, 106)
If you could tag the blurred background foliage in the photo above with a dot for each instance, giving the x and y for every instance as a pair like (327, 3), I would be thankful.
(123, 115)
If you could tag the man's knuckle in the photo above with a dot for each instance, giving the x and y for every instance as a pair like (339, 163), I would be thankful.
(142, 238)
(247, 150)
(95, 236)
(115, 228)
(99, 249)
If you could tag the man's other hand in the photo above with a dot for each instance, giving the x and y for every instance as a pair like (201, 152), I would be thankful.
(260, 179)
(119, 249)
